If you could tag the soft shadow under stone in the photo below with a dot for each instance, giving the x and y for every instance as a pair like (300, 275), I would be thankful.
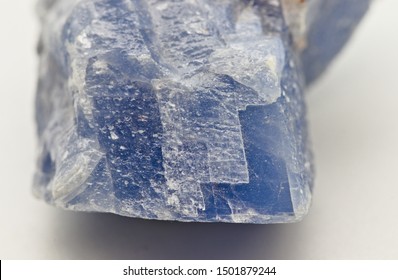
(104, 236)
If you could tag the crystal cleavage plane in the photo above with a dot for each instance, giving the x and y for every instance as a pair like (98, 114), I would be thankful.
(187, 110)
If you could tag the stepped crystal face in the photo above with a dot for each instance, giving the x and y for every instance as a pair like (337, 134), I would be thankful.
(182, 110)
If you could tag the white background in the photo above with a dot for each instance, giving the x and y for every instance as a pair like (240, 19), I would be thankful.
(353, 114)
(286, 270)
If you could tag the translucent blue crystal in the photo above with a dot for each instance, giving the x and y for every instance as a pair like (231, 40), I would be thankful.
(175, 110)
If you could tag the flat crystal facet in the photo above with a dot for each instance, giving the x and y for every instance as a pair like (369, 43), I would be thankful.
(175, 110)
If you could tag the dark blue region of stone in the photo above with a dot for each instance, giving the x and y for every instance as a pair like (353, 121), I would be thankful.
(129, 132)
(268, 191)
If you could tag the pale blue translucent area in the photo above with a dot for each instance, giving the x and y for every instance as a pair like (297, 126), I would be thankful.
(173, 110)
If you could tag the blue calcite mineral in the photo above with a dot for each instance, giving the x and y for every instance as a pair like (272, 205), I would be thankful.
(188, 110)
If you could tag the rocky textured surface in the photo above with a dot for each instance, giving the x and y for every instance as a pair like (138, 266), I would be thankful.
(176, 110)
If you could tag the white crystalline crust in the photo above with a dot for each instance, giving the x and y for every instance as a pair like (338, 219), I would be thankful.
(243, 51)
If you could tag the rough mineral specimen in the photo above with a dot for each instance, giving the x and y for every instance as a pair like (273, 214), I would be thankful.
(188, 110)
